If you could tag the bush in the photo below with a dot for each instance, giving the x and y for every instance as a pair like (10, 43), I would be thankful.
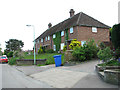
(74, 43)
(79, 53)
(50, 61)
(12, 61)
(19, 54)
(64, 48)
(117, 53)
(90, 49)
(40, 50)
(10, 54)
(105, 54)
(15, 54)
(102, 46)
(50, 51)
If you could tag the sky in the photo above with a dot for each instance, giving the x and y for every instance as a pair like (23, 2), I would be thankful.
(16, 14)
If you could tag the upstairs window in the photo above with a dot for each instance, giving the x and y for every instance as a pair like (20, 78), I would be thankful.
(48, 37)
(42, 40)
(45, 38)
(62, 33)
(38, 40)
(94, 29)
(54, 35)
(71, 30)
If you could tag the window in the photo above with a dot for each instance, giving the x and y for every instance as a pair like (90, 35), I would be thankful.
(54, 35)
(62, 33)
(42, 40)
(83, 42)
(71, 30)
(54, 47)
(45, 38)
(62, 45)
(38, 40)
(48, 37)
(94, 29)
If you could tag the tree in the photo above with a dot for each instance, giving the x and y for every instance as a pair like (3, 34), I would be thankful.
(115, 35)
(0, 50)
(14, 44)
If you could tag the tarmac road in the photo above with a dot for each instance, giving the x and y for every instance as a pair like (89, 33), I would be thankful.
(12, 78)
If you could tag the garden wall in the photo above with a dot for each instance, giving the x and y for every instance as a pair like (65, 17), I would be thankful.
(68, 55)
(30, 61)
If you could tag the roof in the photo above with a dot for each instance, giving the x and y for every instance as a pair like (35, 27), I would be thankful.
(80, 19)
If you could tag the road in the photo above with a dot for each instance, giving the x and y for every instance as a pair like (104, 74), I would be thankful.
(12, 78)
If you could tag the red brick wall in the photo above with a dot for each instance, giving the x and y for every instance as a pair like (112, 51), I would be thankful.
(74, 34)
(85, 33)
(63, 38)
(81, 33)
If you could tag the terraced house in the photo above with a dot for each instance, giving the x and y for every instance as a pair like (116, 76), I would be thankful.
(80, 26)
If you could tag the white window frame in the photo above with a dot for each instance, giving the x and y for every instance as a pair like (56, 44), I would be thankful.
(62, 45)
(54, 47)
(45, 38)
(94, 29)
(42, 40)
(38, 41)
(54, 36)
(48, 37)
(62, 33)
(83, 42)
(71, 30)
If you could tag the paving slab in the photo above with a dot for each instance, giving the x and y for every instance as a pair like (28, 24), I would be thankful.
(59, 78)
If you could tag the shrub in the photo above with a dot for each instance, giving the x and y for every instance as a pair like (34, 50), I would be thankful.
(21, 55)
(90, 49)
(50, 51)
(74, 43)
(40, 50)
(10, 54)
(12, 61)
(104, 54)
(102, 45)
(79, 53)
(50, 60)
(117, 53)
(64, 48)
(15, 54)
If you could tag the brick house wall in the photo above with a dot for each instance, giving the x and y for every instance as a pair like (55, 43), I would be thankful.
(74, 34)
(85, 33)
(81, 33)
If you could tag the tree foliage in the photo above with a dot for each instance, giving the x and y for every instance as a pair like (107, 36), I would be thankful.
(14, 44)
(0, 50)
(115, 36)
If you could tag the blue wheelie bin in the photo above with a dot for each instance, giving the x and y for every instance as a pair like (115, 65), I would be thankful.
(58, 61)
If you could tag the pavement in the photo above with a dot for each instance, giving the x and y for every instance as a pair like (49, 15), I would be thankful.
(0, 76)
(12, 78)
(77, 76)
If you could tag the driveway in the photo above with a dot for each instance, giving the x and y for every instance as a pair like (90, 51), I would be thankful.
(78, 76)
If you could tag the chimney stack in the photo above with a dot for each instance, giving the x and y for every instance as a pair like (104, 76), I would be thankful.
(71, 12)
(49, 25)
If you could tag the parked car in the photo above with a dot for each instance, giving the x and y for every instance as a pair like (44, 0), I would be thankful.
(3, 59)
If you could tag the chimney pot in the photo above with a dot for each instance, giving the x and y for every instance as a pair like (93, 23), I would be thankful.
(49, 25)
(71, 12)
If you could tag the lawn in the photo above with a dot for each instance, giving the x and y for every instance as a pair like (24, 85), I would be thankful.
(48, 56)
